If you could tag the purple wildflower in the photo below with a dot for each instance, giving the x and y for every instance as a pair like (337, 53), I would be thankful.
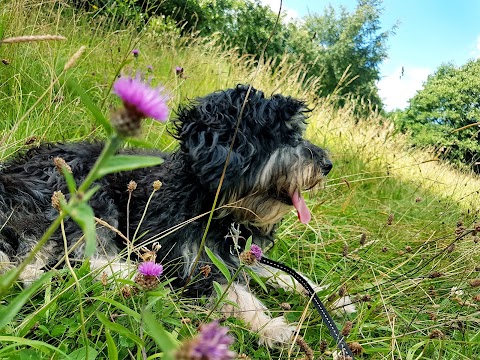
(149, 68)
(179, 71)
(150, 268)
(212, 343)
(257, 251)
(135, 52)
(140, 99)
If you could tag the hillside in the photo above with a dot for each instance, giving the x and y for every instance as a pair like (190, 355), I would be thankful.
(393, 228)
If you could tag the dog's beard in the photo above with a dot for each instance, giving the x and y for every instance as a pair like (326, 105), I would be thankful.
(275, 190)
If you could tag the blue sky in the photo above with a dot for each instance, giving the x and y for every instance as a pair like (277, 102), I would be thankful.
(430, 32)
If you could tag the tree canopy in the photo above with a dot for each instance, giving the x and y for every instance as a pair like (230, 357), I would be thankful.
(342, 49)
(449, 100)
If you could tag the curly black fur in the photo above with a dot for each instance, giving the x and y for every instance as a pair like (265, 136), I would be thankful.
(268, 162)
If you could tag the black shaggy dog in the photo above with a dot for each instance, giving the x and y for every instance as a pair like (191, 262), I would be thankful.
(269, 164)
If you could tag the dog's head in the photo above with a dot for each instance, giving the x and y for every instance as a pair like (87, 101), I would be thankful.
(259, 140)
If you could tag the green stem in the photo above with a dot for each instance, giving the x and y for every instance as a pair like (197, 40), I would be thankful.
(240, 268)
(111, 146)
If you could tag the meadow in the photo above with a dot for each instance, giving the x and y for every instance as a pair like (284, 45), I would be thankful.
(393, 227)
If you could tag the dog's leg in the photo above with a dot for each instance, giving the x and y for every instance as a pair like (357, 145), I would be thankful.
(111, 264)
(43, 257)
(280, 280)
(5, 262)
(272, 331)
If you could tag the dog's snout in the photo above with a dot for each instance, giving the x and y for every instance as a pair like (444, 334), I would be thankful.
(326, 167)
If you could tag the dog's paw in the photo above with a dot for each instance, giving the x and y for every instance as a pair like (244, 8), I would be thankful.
(110, 266)
(276, 333)
(30, 274)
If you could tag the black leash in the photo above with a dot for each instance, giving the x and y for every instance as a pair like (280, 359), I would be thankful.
(327, 319)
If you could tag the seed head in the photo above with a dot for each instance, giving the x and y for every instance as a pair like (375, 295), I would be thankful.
(157, 184)
(57, 199)
(347, 328)
(390, 219)
(475, 283)
(356, 348)
(436, 334)
(363, 239)
(60, 164)
(132, 186)
(305, 348)
(247, 258)
(206, 270)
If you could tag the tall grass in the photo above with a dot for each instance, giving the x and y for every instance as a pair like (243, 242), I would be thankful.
(392, 228)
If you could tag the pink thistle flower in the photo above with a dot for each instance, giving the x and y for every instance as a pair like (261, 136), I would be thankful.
(150, 268)
(135, 52)
(256, 251)
(140, 99)
(212, 343)
(179, 71)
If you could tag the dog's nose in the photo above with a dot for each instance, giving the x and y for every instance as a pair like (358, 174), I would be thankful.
(326, 167)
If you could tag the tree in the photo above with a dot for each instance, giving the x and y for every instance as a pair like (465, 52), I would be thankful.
(449, 100)
(340, 41)
(331, 45)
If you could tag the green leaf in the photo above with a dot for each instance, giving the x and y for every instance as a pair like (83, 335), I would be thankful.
(164, 339)
(127, 162)
(218, 289)
(6, 281)
(119, 306)
(83, 215)
(40, 345)
(71, 184)
(257, 278)
(219, 264)
(248, 244)
(81, 354)
(111, 347)
(7, 313)
(120, 329)
(90, 192)
(87, 101)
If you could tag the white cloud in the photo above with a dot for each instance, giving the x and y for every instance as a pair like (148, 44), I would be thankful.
(275, 6)
(396, 88)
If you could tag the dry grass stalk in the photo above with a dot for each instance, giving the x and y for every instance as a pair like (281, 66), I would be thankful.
(30, 38)
(71, 62)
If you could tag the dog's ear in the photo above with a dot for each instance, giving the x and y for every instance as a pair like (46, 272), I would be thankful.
(205, 130)
(290, 114)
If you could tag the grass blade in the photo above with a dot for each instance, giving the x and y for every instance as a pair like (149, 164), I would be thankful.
(8, 312)
(163, 338)
(120, 329)
(127, 162)
(219, 264)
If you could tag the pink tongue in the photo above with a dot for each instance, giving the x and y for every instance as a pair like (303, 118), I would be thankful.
(303, 212)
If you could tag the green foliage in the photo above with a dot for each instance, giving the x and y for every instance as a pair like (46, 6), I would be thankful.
(449, 100)
(343, 50)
